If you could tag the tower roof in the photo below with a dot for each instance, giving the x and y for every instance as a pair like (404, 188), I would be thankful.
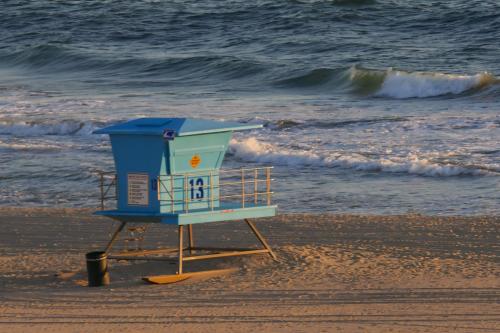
(181, 126)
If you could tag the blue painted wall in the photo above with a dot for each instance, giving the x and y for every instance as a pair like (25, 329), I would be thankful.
(153, 156)
(138, 154)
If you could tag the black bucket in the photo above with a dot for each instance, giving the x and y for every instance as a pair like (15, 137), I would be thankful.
(97, 269)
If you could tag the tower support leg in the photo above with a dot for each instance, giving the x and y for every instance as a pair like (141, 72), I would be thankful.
(191, 239)
(261, 239)
(114, 237)
(181, 230)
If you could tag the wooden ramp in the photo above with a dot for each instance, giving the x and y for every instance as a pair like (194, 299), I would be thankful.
(172, 278)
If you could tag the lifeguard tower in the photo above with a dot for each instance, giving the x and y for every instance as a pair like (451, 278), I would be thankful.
(168, 170)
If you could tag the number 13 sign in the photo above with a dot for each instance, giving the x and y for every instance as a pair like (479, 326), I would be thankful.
(196, 188)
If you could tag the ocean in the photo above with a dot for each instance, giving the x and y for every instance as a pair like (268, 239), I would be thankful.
(368, 106)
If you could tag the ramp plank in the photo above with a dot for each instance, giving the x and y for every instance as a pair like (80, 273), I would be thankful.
(172, 278)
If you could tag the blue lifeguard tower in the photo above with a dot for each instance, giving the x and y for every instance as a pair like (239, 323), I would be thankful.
(168, 170)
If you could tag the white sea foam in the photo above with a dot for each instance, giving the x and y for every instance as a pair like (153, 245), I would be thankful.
(56, 128)
(251, 149)
(38, 146)
(399, 84)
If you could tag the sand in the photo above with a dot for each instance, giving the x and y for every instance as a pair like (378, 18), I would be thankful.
(336, 273)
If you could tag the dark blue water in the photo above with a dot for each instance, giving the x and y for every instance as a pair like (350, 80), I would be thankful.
(368, 106)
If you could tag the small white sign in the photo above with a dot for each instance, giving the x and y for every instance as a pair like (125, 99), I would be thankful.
(138, 189)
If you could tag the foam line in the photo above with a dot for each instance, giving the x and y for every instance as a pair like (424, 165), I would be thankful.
(252, 150)
(399, 84)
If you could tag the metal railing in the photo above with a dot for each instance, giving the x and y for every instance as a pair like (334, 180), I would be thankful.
(244, 186)
(107, 180)
(212, 189)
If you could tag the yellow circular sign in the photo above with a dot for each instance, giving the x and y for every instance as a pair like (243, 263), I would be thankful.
(195, 161)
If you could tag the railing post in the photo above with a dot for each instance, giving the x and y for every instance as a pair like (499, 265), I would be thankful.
(158, 187)
(186, 193)
(212, 191)
(268, 185)
(172, 194)
(242, 188)
(255, 187)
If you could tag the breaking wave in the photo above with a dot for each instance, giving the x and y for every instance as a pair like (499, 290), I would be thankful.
(391, 83)
(166, 70)
(399, 84)
(252, 150)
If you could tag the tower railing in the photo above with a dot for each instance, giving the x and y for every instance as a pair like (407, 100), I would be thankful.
(209, 190)
(108, 187)
(243, 187)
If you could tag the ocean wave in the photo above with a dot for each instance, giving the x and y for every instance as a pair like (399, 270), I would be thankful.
(390, 83)
(161, 69)
(353, 2)
(67, 127)
(314, 78)
(252, 150)
(48, 55)
(288, 123)
(340, 3)
(58, 58)
(399, 84)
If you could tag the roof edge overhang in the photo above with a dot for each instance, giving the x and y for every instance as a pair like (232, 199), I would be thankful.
(111, 130)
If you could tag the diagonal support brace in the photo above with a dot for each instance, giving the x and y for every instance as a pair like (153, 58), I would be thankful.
(115, 236)
(261, 239)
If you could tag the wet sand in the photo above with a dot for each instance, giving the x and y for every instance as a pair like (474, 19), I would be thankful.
(335, 273)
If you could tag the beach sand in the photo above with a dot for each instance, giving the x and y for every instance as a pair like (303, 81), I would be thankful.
(336, 273)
